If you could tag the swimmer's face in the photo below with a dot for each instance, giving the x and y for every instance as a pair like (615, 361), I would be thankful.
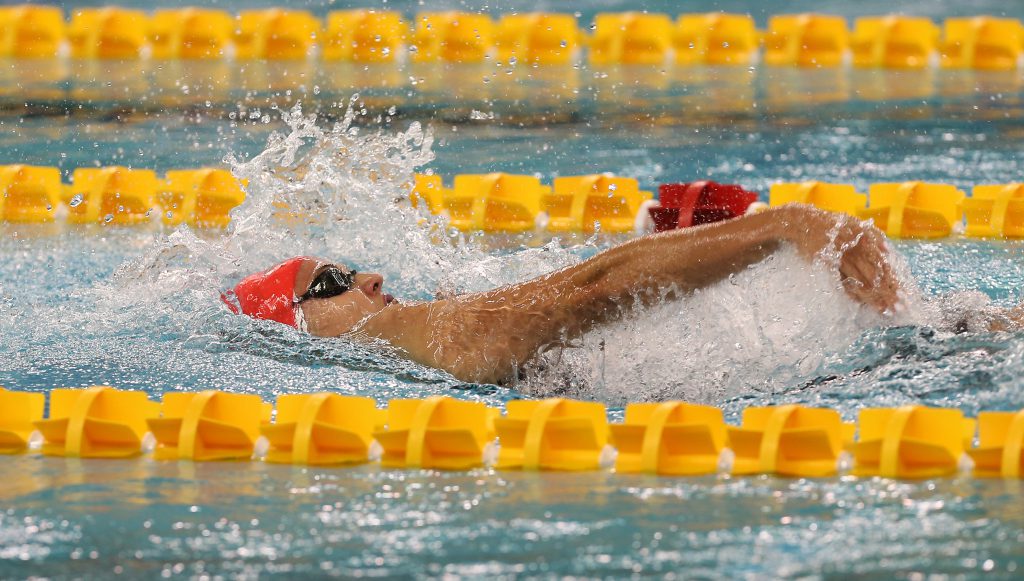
(341, 312)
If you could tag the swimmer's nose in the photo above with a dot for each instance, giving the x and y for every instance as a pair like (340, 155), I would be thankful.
(372, 284)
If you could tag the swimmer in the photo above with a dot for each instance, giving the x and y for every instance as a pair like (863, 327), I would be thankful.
(486, 337)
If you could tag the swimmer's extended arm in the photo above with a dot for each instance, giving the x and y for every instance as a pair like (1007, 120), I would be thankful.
(485, 336)
(685, 260)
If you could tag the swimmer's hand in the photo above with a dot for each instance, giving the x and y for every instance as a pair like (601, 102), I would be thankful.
(858, 249)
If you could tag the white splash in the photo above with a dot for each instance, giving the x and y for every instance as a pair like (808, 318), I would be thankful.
(756, 332)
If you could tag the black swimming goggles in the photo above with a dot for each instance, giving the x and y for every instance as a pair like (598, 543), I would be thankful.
(331, 282)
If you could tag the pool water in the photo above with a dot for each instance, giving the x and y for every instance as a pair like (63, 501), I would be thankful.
(137, 308)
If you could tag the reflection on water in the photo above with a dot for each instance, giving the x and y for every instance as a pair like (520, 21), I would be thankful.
(145, 518)
(889, 85)
(501, 92)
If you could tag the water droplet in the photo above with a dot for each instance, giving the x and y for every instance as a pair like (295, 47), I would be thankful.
(563, 44)
(108, 218)
(75, 200)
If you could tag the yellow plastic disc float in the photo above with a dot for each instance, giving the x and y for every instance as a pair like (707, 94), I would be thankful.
(982, 42)
(208, 425)
(190, 33)
(97, 422)
(322, 429)
(671, 438)
(789, 440)
(842, 198)
(806, 40)
(437, 432)
(995, 211)
(899, 42)
(910, 442)
(537, 38)
(371, 36)
(18, 413)
(631, 38)
(31, 31)
(552, 434)
(914, 209)
(715, 39)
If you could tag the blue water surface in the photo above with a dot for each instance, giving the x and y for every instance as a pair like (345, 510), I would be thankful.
(63, 518)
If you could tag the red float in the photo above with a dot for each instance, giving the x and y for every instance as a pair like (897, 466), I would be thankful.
(702, 202)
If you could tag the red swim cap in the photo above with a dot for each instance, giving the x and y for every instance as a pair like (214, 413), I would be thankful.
(269, 295)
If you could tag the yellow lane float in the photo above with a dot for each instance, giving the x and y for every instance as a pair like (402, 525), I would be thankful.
(111, 195)
(995, 211)
(982, 42)
(18, 413)
(806, 40)
(454, 37)
(30, 31)
(208, 425)
(200, 197)
(367, 36)
(97, 422)
(1000, 451)
(322, 429)
(586, 203)
(552, 434)
(108, 33)
(29, 193)
(537, 38)
(190, 33)
(429, 190)
(789, 440)
(842, 198)
(495, 202)
(910, 442)
(437, 432)
(631, 38)
(715, 39)
(275, 34)
(671, 438)
(371, 35)
(899, 42)
(914, 209)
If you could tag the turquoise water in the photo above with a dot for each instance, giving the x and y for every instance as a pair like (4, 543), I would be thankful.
(137, 308)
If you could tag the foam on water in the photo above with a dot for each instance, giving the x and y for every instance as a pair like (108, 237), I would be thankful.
(758, 331)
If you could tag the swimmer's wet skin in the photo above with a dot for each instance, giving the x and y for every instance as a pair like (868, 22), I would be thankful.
(485, 337)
